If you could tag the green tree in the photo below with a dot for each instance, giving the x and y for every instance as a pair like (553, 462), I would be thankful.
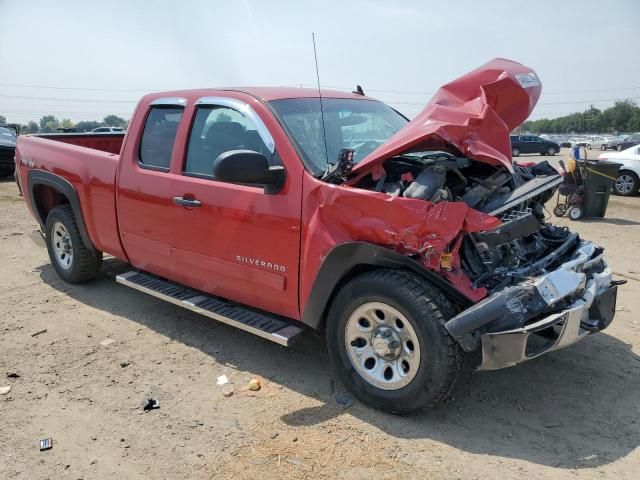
(32, 127)
(48, 124)
(87, 126)
(66, 123)
(624, 115)
(114, 121)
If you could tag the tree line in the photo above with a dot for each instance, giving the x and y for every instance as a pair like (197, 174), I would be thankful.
(50, 124)
(623, 116)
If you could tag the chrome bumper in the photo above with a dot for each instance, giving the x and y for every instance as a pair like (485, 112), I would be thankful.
(504, 349)
(508, 329)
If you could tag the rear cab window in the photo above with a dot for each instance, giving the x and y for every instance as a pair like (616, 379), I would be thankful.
(158, 136)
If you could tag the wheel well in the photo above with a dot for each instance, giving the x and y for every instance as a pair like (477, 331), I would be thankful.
(46, 198)
(354, 272)
(626, 170)
(364, 268)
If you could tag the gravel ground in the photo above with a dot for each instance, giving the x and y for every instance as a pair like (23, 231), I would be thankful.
(571, 414)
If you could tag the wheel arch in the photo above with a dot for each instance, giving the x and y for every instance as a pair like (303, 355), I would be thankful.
(46, 191)
(347, 260)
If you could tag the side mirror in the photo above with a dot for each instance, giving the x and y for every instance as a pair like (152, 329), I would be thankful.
(247, 166)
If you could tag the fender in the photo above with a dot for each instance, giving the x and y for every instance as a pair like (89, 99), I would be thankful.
(344, 258)
(40, 177)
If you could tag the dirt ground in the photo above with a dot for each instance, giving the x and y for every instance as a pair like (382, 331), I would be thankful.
(571, 414)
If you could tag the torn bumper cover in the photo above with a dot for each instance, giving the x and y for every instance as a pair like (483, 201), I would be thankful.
(545, 313)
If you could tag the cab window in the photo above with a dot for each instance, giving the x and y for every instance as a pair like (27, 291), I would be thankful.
(158, 137)
(217, 129)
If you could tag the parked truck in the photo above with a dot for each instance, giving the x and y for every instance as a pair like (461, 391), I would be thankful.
(415, 246)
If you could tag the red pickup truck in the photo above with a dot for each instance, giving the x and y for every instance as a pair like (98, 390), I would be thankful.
(414, 245)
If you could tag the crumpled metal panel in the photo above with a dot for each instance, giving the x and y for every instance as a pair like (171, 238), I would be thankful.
(474, 113)
(334, 214)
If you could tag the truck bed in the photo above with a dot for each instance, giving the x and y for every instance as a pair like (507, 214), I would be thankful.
(89, 162)
(105, 142)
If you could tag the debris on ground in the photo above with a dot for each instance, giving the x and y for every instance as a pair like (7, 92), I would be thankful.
(39, 332)
(254, 385)
(107, 341)
(344, 399)
(222, 380)
(13, 375)
(125, 364)
(4, 390)
(227, 392)
(151, 405)
(46, 444)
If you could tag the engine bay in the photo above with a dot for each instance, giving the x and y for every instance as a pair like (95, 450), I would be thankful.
(525, 244)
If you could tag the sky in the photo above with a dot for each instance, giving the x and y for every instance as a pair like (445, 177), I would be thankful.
(83, 60)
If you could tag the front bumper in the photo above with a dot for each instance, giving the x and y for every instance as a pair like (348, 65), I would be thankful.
(588, 315)
(511, 326)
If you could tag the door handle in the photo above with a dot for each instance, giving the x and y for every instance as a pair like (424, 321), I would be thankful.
(187, 202)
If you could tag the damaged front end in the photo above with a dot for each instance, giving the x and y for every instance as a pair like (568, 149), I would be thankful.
(443, 191)
(536, 287)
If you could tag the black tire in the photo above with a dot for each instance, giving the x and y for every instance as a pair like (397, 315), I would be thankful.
(603, 148)
(619, 148)
(85, 265)
(515, 152)
(427, 310)
(627, 183)
(588, 146)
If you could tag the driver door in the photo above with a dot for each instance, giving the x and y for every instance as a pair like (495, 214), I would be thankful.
(232, 240)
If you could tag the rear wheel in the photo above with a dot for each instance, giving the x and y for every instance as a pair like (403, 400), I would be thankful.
(619, 148)
(387, 341)
(515, 152)
(588, 146)
(71, 259)
(551, 151)
(603, 147)
(626, 184)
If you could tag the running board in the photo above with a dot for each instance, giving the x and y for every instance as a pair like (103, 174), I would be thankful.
(264, 325)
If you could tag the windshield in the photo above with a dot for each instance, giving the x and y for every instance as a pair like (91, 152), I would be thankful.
(7, 133)
(361, 125)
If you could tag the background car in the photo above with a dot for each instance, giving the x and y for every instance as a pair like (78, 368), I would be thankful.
(108, 130)
(626, 142)
(532, 144)
(628, 180)
(7, 151)
(579, 141)
(598, 141)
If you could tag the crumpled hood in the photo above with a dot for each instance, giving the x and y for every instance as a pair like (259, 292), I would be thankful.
(475, 113)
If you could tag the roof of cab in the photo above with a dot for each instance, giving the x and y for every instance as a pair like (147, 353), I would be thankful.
(264, 93)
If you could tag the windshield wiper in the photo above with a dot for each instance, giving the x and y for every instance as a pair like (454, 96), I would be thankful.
(338, 172)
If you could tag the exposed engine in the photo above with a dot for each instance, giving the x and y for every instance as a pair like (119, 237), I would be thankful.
(523, 246)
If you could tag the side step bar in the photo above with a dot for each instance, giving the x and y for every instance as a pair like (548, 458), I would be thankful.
(262, 324)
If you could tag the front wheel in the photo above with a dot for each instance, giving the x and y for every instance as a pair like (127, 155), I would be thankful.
(387, 341)
(619, 148)
(626, 184)
(551, 151)
(588, 146)
(71, 259)
(515, 152)
(603, 148)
